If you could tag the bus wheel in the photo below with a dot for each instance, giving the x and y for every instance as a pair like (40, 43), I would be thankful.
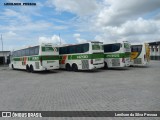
(27, 68)
(105, 65)
(74, 68)
(31, 69)
(12, 66)
(68, 67)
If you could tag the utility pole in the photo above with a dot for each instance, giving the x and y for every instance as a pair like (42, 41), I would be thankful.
(59, 38)
(2, 50)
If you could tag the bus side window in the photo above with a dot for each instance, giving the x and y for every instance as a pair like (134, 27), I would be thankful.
(116, 47)
(78, 48)
(18, 53)
(107, 48)
(63, 50)
(139, 49)
(113, 48)
(71, 49)
(31, 51)
(36, 50)
(27, 52)
(133, 49)
(85, 47)
(23, 52)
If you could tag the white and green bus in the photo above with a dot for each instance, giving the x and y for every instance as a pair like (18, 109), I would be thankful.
(117, 55)
(84, 56)
(37, 58)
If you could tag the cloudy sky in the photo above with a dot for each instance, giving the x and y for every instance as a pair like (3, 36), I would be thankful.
(79, 21)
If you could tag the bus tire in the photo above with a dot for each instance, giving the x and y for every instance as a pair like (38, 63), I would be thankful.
(105, 65)
(68, 67)
(31, 69)
(27, 68)
(74, 67)
(13, 67)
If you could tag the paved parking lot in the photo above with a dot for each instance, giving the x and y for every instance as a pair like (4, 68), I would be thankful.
(136, 88)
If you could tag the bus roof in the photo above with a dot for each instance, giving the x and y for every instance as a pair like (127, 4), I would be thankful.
(116, 43)
(138, 44)
(33, 46)
(79, 43)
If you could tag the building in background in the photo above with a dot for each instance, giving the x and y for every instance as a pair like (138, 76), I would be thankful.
(4, 57)
(155, 50)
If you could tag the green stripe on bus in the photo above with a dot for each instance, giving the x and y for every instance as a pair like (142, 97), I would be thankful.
(97, 55)
(117, 55)
(16, 59)
(79, 57)
(37, 58)
(50, 57)
(84, 56)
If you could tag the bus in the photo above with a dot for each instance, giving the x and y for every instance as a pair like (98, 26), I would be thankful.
(140, 54)
(84, 56)
(117, 55)
(36, 58)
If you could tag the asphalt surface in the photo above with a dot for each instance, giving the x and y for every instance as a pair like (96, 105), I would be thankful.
(132, 89)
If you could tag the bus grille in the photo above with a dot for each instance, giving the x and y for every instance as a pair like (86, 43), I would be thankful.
(37, 65)
(85, 64)
(138, 61)
(115, 62)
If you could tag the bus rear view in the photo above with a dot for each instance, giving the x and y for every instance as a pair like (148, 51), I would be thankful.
(82, 56)
(117, 55)
(97, 59)
(49, 57)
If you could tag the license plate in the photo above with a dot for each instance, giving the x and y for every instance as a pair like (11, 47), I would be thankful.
(127, 59)
(50, 61)
(97, 59)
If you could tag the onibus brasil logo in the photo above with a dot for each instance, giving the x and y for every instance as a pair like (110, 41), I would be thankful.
(21, 114)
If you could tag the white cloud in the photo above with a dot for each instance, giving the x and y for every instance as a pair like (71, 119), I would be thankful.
(19, 21)
(134, 27)
(54, 39)
(11, 33)
(116, 12)
(134, 31)
(78, 39)
(76, 35)
(19, 28)
(80, 7)
(12, 14)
